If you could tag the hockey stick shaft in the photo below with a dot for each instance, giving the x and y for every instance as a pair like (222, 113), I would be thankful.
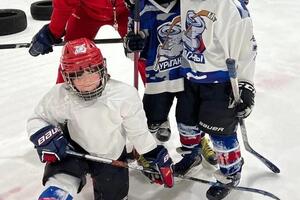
(136, 54)
(27, 45)
(235, 89)
(142, 169)
(115, 163)
(239, 188)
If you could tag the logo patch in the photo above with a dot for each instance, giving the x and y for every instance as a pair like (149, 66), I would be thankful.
(80, 49)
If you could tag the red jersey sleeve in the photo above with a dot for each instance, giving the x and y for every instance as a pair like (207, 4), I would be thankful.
(62, 10)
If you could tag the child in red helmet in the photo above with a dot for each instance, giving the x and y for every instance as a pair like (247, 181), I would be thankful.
(100, 114)
(72, 19)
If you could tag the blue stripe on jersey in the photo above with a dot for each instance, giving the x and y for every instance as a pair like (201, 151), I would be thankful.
(205, 77)
(241, 6)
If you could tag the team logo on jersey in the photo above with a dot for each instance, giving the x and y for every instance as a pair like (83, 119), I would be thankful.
(170, 48)
(192, 36)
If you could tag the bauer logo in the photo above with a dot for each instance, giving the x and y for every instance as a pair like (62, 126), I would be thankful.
(80, 49)
(48, 135)
(209, 127)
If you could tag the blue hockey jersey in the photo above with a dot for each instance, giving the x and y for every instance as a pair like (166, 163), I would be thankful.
(163, 48)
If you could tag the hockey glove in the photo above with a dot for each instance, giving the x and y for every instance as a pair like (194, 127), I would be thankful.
(160, 163)
(134, 42)
(50, 144)
(247, 93)
(42, 42)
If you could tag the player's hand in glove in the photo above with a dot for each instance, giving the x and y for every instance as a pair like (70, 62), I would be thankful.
(134, 42)
(50, 144)
(42, 42)
(247, 93)
(159, 162)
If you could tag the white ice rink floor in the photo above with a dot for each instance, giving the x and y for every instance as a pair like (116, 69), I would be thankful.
(273, 128)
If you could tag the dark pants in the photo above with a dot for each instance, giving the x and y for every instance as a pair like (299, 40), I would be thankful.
(110, 183)
(207, 105)
(157, 106)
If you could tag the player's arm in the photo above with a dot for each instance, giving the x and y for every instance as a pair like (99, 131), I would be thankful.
(53, 32)
(43, 129)
(239, 44)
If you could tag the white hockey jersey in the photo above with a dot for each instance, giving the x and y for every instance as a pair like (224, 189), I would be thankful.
(100, 126)
(214, 30)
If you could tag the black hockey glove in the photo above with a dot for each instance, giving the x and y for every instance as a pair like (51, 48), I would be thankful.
(247, 93)
(134, 42)
(50, 144)
(160, 163)
(42, 42)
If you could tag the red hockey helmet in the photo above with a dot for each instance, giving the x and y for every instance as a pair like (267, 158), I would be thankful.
(82, 55)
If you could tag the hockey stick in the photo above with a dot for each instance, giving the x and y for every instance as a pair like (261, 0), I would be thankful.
(235, 88)
(27, 45)
(117, 163)
(136, 54)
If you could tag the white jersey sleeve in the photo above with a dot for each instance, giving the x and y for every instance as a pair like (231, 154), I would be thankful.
(236, 36)
(135, 123)
(100, 126)
(50, 110)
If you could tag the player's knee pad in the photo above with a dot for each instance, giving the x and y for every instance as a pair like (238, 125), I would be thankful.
(228, 153)
(71, 166)
(190, 136)
(55, 193)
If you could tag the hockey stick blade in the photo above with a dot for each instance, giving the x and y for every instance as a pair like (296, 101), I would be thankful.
(239, 188)
(142, 169)
(248, 148)
(235, 89)
(27, 45)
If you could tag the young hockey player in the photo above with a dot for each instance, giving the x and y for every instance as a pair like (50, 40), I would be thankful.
(214, 30)
(100, 114)
(74, 19)
(161, 40)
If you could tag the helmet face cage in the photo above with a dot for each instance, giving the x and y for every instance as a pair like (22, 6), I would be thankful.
(88, 95)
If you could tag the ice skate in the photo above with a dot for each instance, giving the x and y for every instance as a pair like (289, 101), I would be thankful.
(161, 131)
(191, 159)
(217, 192)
